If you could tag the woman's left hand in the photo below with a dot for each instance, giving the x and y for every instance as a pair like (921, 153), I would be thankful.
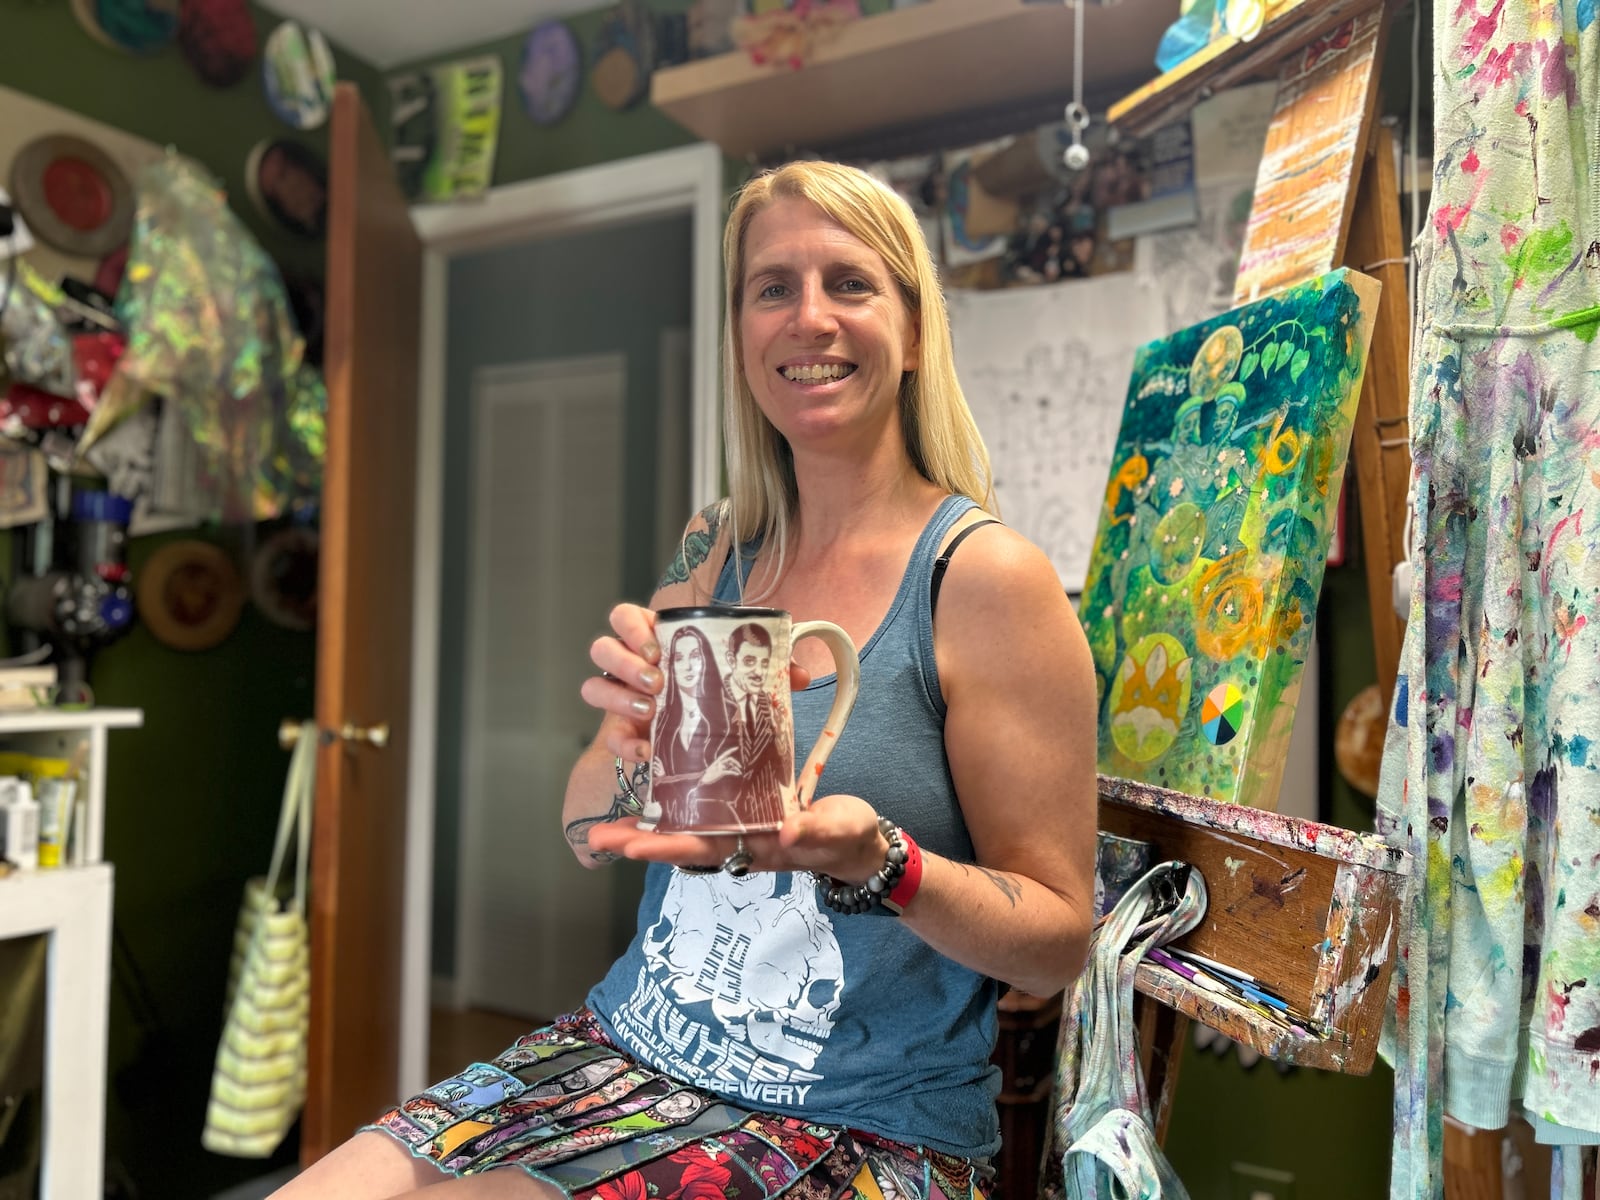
(837, 835)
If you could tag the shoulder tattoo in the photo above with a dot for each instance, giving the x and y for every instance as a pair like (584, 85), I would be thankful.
(695, 548)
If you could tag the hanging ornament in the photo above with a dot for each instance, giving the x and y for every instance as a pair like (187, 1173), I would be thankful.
(1076, 156)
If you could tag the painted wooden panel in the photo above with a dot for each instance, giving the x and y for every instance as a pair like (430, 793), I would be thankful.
(1305, 187)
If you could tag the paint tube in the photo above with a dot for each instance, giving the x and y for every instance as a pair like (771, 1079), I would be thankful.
(55, 792)
(19, 823)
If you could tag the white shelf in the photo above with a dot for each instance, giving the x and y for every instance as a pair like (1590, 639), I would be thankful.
(72, 906)
(49, 720)
(35, 890)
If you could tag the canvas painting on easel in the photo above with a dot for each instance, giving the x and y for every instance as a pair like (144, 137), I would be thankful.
(1203, 582)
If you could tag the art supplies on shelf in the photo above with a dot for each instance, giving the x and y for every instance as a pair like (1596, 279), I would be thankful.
(1310, 909)
(19, 824)
(49, 787)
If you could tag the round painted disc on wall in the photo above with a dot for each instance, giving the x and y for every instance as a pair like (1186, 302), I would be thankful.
(552, 69)
(288, 182)
(624, 56)
(1222, 714)
(283, 578)
(72, 195)
(218, 39)
(298, 76)
(132, 26)
(190, 595)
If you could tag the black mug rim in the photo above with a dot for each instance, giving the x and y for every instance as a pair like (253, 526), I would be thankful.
(695, 612)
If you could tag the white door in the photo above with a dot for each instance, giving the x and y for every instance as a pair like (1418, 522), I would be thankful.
(535, 928)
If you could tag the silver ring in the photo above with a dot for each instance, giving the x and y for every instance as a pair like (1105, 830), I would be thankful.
(610, 676)
(738, 863)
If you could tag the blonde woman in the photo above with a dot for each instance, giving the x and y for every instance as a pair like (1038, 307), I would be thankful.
(820, 1014)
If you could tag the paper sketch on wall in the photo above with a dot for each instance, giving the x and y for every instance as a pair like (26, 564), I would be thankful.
(1203, 582)
(1044, 370)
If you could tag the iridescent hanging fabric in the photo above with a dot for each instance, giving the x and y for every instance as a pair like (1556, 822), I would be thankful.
(1492, 765)
(209, 328)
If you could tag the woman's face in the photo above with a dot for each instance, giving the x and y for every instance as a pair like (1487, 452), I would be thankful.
(688, 664)
(823, 328)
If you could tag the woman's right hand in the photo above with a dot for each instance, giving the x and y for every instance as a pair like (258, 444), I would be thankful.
(629, 681)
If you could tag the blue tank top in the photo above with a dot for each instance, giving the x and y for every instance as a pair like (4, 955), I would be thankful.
(752, 989)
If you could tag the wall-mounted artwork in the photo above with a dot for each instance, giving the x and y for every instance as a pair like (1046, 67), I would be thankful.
(1203, 582)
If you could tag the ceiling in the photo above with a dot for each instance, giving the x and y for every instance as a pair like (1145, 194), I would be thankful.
(388, 33)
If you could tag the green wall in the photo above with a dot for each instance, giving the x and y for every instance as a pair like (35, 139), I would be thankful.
(192, 798)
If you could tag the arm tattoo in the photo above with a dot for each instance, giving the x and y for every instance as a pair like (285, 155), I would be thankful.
(1009, 887)
(695, 548)
(624, 804)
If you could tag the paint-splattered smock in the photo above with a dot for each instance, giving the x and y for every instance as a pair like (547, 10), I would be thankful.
(1492, 769)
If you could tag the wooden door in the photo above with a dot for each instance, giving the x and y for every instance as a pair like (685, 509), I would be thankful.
(374, 291)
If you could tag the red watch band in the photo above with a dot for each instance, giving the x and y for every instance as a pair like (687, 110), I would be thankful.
(897, 899)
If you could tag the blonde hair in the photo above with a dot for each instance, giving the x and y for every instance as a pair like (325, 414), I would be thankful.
(941, 438)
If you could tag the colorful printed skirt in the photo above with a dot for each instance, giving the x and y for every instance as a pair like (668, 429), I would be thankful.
(573, 1111)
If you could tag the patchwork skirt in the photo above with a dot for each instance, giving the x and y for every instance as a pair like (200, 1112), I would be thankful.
(572, 1110)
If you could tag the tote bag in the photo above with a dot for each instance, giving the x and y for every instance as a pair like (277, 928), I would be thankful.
(259, 1082)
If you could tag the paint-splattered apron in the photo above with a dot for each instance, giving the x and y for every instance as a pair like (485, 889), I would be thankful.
(567, 1107)
(1492, 767)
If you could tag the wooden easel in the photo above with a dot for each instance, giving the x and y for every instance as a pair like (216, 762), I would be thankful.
(1337, 205)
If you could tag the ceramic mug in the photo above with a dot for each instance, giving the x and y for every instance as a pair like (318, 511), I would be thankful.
(722, 740)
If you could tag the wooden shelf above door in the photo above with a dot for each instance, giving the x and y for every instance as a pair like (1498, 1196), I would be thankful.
(909, 66)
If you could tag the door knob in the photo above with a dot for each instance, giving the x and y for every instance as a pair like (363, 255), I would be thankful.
(374, 735)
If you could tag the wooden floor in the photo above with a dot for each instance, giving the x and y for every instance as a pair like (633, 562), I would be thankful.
(458, 1037)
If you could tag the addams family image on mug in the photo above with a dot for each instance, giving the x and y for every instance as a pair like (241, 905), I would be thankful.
(722, 758)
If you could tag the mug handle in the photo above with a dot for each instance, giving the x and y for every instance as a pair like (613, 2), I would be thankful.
(847, 671)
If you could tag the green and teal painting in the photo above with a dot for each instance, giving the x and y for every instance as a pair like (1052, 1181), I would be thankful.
(1202, 588)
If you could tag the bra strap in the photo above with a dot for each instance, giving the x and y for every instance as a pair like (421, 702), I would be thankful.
(943, 561)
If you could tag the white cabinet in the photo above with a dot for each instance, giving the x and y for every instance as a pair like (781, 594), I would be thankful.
(72, 905)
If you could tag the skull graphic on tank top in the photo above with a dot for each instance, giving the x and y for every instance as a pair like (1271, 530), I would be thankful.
(753, 956)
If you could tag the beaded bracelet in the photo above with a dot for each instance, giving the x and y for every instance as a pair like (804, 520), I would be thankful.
(860, 898)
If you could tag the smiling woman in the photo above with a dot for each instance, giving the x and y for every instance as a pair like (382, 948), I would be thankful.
(823, 1017)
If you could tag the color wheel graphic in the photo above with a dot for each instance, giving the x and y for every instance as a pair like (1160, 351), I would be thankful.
(1222, 714)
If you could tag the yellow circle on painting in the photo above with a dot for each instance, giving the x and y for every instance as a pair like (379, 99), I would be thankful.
(1282, 454)
(1150, 696)
(1216, 360)
(1228, 615)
